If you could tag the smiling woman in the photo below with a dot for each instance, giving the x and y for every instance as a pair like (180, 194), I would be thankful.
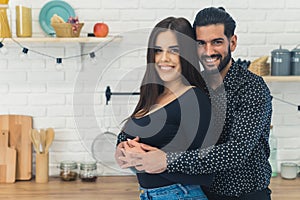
(172, 96)
(167, 60)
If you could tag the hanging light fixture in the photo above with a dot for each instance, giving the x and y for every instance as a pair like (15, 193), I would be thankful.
(92, 57)
(59, 65)
(3, 49)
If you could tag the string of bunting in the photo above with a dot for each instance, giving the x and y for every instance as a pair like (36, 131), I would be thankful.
(92, 55)
(58, 60)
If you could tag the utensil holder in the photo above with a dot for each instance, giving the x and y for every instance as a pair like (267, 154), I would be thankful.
(42, 167)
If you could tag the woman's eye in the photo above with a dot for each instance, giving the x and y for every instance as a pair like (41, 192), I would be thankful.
(156, 50)
(174, 50)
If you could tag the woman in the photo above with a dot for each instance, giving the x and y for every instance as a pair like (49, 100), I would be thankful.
(172, 102)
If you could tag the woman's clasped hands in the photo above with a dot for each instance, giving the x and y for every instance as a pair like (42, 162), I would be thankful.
(142, 157)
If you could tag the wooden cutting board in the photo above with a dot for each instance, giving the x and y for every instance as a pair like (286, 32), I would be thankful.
(7, 160)
(19, 127)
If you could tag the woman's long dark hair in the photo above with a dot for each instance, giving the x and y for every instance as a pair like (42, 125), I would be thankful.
(152, 86)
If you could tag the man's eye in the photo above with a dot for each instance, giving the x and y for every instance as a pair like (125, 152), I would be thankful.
(218, 42)
(200, 43)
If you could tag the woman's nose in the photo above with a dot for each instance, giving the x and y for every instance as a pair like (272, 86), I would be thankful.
(165, 56)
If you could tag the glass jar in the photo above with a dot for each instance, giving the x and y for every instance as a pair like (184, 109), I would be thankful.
(68, 171)
(23, 21)
(88, 171)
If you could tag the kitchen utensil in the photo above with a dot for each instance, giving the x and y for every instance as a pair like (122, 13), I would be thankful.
(4, 25)
(61, 8)
(42, 140)
(103, 148)
(19, 127)
(49, 138)
(7, 160)
(295, 60)
(280, 62)
(42, 167)
(35, 141)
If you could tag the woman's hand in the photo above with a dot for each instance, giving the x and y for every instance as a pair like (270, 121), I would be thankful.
(119, 153)
(144, 158)
(127, 146)
(134, 146)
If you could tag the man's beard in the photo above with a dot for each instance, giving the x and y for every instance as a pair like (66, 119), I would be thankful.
(224, 62)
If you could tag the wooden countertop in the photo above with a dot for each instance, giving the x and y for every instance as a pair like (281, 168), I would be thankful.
(112, 188)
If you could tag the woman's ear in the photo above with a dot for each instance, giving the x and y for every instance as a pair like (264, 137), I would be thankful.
(233, 43)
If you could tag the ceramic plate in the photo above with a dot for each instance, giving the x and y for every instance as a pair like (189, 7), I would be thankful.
(61, 8)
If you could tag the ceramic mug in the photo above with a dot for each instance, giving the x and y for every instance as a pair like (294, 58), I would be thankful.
(289, 170)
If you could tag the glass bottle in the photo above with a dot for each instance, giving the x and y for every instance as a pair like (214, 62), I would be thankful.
(68, 170)
(88, 171)
(273, 152)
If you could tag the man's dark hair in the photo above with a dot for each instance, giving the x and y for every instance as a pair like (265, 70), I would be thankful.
(212, 15)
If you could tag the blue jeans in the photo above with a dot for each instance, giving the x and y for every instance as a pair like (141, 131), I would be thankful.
(173, 192)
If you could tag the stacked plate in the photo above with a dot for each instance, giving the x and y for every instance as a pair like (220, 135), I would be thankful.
(61, 8)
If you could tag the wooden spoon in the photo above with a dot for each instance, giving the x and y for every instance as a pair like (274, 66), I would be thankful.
(43, 140)
(35, 138)
(49, 138)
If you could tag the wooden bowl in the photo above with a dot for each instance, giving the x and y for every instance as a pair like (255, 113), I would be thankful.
(65, 29)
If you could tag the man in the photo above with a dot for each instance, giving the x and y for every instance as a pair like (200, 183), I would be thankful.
(240, 158)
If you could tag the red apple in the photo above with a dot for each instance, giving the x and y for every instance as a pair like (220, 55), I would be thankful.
(101, 29)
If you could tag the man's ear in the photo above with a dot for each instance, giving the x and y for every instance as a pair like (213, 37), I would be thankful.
(233, 43)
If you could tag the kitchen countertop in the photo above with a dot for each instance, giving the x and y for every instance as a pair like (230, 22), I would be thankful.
(112, 188)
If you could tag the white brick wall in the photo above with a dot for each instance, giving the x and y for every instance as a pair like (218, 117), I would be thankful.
(72, 101)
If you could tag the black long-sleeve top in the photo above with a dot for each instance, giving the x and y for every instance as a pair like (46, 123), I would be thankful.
(173, 128)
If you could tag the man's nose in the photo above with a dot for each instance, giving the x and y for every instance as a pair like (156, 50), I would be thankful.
(209, 50)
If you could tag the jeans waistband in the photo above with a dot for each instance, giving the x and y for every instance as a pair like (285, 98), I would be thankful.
(184, 189)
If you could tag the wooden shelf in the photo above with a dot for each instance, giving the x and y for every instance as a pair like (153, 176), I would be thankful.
(281, 78)
(63, 40)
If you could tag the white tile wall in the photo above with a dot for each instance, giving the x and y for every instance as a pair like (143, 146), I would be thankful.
(72, 101)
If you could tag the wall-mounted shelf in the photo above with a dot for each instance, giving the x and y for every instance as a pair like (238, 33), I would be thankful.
(63, 40)
(281, 78)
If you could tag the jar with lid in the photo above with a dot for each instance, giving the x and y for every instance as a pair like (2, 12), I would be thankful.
(68, 170)
(280, 62)
(88, 171)
(295, 61)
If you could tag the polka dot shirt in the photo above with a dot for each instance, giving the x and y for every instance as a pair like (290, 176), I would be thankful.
(240, 158)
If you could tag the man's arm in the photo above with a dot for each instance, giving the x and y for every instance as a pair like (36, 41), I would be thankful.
(247, 127)
(249, 122)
